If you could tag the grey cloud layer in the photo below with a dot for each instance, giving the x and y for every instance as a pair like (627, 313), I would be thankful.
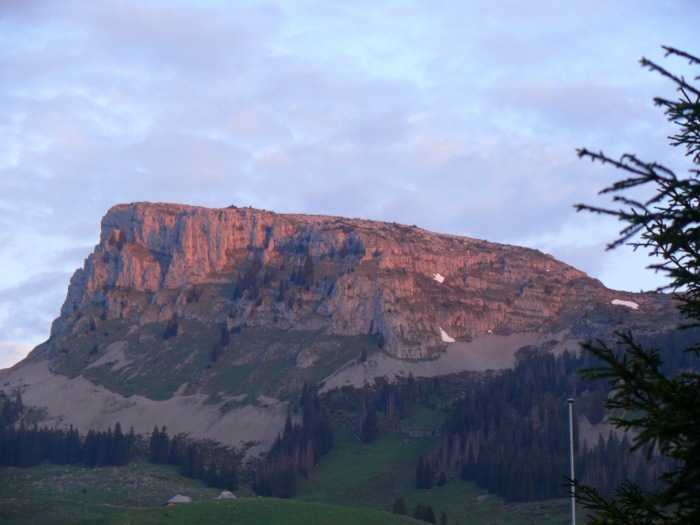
(460, 118)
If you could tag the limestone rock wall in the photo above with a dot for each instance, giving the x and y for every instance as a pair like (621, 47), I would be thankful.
(342, 276)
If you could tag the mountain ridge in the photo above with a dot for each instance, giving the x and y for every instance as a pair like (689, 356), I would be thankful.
(229, 311)
(155, 247)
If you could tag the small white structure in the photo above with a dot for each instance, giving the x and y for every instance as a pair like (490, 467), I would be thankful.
(178, 500)
(439, 278)
(226, 494)
(446, 338)
(628, 304)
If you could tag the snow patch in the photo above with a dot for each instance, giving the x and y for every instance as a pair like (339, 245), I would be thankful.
(446, 338)
(628, 304)
(439, 278)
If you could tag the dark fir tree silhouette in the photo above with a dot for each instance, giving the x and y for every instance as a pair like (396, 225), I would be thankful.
(660, 408)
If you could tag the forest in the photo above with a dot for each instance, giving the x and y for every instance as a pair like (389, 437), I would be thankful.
(506, 431)
(25, 447)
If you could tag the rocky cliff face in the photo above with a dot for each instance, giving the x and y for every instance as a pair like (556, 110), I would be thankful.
(245, 267)
(210, 321)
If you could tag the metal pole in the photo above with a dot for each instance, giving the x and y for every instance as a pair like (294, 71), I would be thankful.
(571, 456)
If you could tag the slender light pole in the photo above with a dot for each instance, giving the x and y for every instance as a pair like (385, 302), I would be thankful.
(571, 456)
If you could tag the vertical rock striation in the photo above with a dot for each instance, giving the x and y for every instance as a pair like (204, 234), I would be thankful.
(340, 276)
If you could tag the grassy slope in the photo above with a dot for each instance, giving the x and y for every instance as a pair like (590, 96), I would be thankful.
(256, 361)
(60, 495)
(352, 475)
(374, 475)
(256, 511)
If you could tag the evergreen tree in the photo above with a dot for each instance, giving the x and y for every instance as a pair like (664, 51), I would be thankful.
(429, 515)
(171, 328)
(30, 447)
(225, 335)
(424, 474)
(418, 511)
(90, 448)
(176, 450)
(74, 448)
(131, 444)
(237, 291)
(228, 477)
(104, 448)
(159, 446)
(211, 476)
(298, 449)
(661, 408)
(284, 484)
(19, 406)
(216, 352)
(193, 462)
(370, 430)
(120, 446)
(305, 277)
(399, 506)
(12, 410)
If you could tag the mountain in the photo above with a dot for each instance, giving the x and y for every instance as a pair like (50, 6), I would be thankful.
(209, 321)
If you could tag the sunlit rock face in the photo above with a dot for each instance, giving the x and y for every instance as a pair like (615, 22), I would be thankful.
(335, 275)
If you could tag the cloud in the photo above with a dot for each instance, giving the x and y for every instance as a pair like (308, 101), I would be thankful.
(458, 117)
(26, 311)
(13, 352)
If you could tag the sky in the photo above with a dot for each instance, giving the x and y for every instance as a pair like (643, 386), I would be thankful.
(460, 117)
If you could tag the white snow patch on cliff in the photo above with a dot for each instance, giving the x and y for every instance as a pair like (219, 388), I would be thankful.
(446, 338)
(628, 304)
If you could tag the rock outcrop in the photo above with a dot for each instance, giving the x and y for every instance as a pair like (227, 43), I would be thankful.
(340, 276)
(209, 321)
